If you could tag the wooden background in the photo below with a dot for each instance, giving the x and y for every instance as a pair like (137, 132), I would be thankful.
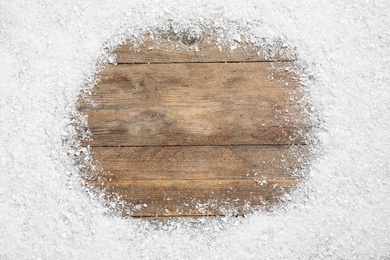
(184, 127)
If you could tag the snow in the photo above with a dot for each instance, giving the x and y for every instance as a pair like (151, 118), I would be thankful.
(48, 53)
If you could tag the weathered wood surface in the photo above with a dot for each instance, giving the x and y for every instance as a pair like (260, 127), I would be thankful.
(196, 197)
(200, 162)
(195, 104)
(205, 48)
(190, 135)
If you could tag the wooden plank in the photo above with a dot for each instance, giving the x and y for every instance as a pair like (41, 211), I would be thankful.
(203, 84)
(195, 104)
(126, 133)
(195, 197)
(200, 162)
(208, 47)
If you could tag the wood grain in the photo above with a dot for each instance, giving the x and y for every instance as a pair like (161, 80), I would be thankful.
(186, 125)
(178, 84)
(195, 197)
(195, 104)
(200, 162)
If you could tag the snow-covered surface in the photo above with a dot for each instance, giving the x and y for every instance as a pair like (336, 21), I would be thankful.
(48, 52)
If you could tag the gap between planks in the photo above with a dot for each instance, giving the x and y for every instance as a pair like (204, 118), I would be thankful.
(203, 62)
(196, 145)
(127, 183)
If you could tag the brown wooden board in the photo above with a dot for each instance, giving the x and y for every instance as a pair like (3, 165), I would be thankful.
(150, 198)
(199, 131)
(195, 104)
(208, 47)
(200, 162)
